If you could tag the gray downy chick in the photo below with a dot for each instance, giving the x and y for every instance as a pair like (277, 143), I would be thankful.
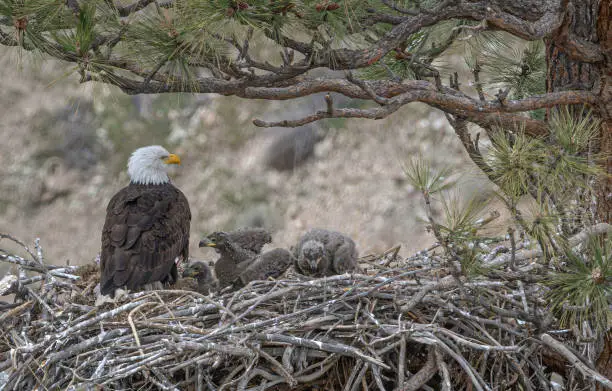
(312, 259)
(272, 263)
(201, 272)
(234, 259)
(250, 238)
(340, 250)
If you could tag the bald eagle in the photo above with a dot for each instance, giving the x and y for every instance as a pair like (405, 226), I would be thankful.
(146, 231)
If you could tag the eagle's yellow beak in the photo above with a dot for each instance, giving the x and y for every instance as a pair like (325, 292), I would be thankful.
(172, 159)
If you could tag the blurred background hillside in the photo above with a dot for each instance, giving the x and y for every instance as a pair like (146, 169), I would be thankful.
(65, 147)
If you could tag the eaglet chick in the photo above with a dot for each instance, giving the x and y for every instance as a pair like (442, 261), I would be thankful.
(272, 263)
(234, 258)
(201, 273)
(321, 252)
(250, 238)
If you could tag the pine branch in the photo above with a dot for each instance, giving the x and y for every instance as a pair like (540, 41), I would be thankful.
(450, 102)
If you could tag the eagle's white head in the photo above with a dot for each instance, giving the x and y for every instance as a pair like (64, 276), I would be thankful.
(149, 165)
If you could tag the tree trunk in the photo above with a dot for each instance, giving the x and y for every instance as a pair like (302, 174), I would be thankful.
(588, 23)
(586, 27)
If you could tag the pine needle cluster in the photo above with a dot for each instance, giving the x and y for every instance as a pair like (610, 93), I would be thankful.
(544, 183)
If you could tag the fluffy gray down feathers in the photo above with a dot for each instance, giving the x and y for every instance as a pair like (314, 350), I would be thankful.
(272, 263)
(340, 255)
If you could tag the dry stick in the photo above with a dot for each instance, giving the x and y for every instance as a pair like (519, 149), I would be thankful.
(130, 370)
(17, 311)
(252, 303)
(444, 283)
(204, 359)
(84, 345)
(325, 346)
(227, 380)
(477, 346)
(388, 348)
(162, 302)
(98, 372)
(288, 377)
(513, 362)
(57, 271)
(572, 359)
(443, 370)
(135, 333)
(467, 315)
(512, 248)
(377, 377)
(250, 373)
(286, 359)
(179, 328)
(315, 375)
(344, 297)
(221, 307)
(255, 302)
(80, 326)
(356, 370)
(207, 346)
(19, 242)
(360, 377)
(579, 238)
(367, 89)
(401, 365)
(463, 363)
(523, 296)
(41, 302)
(423, 375)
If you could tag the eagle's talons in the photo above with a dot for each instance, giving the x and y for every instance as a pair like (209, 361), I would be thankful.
(120, 295)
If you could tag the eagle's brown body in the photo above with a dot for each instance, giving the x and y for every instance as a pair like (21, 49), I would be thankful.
(146, 229)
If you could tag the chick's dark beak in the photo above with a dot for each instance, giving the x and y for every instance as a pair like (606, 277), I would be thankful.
(189, 272)
(314, 264)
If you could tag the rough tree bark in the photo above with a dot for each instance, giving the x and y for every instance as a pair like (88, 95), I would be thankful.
(573, 66)
(570, 67)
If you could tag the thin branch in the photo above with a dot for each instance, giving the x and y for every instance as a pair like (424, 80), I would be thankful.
(424, 374)
(575, 361)
(579, 238)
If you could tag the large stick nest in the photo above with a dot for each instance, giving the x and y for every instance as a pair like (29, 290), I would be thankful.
(406, 324)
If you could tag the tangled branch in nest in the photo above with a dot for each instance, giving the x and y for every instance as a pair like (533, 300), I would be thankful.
(407, 326)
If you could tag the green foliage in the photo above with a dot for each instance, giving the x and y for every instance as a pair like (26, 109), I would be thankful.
(420, 53)
(32, 19)
(163, 41)
(470, 258)
(522, 70)
(513, 159)
(460, 216)
(574, 129)
(582, 291)
(542, 225)
(388, 67)
(526, 165)
(508, 63)
(79, 40)
(425, 178)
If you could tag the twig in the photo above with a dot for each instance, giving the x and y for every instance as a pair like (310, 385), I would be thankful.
(423, 375)
(579, 238)
(443, 371)
(328, 347)
(575, 361)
